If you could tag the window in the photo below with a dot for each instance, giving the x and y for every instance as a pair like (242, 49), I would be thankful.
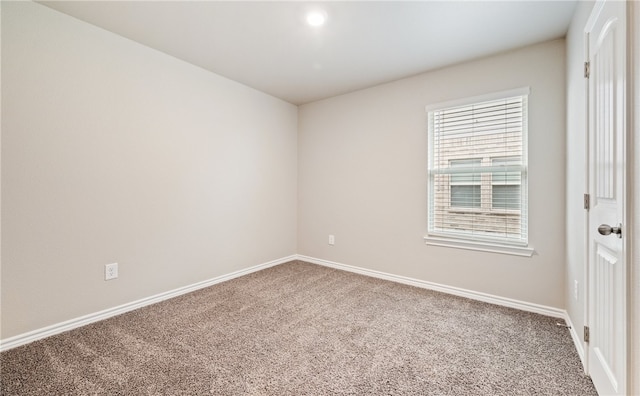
(478, 169)
(465, 187)
(505, 186)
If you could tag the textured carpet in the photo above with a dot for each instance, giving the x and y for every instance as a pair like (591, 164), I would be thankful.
(302, 329)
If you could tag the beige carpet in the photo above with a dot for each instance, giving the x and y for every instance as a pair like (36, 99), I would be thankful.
(302, 329)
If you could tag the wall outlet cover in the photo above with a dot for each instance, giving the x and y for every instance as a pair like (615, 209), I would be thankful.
(110, 271)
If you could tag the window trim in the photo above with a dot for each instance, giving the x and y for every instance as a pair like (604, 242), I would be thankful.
(480, 98)
(476, 242)
(477, 245)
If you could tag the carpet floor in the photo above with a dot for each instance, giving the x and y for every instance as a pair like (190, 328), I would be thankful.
(303, 329)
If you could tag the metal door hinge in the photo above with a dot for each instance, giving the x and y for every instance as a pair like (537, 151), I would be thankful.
(587, 69)
(586, 333)
(587, 201)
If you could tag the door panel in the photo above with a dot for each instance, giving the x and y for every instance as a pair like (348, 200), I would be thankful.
(607, 285)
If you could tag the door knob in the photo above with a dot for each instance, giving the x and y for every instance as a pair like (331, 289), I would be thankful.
(606, 229)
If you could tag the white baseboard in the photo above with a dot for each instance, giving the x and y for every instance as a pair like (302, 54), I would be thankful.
(58, 328)
(474, 295)
(576, 339)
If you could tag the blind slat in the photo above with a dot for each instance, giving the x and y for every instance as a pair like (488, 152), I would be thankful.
(477, 170)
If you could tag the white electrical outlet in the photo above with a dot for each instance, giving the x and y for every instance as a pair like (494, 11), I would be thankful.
(110, 271)
(332, 240)
(575, 289)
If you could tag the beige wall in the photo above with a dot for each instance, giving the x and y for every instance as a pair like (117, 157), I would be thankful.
(576, 165)
(113, 152)
(362, 161)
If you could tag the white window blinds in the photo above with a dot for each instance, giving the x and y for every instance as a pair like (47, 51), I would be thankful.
(478, 170)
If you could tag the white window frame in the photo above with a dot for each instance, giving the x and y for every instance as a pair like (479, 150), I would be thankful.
(462, 240)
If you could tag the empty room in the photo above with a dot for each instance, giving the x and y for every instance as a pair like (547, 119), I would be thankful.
(320, 198)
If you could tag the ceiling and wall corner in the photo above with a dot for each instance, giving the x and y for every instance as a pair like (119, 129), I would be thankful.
(270, 47)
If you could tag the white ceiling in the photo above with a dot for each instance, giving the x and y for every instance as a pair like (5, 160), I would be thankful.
(269, 46)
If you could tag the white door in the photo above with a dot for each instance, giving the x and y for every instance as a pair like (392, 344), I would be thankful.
(606, 35)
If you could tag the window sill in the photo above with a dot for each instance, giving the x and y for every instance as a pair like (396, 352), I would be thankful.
(479, 246)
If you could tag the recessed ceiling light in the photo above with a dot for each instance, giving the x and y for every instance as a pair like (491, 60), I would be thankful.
(316, 18)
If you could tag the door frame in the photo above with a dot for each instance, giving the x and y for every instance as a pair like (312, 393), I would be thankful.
(632, 210)
(633, 196)
(631, 207)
